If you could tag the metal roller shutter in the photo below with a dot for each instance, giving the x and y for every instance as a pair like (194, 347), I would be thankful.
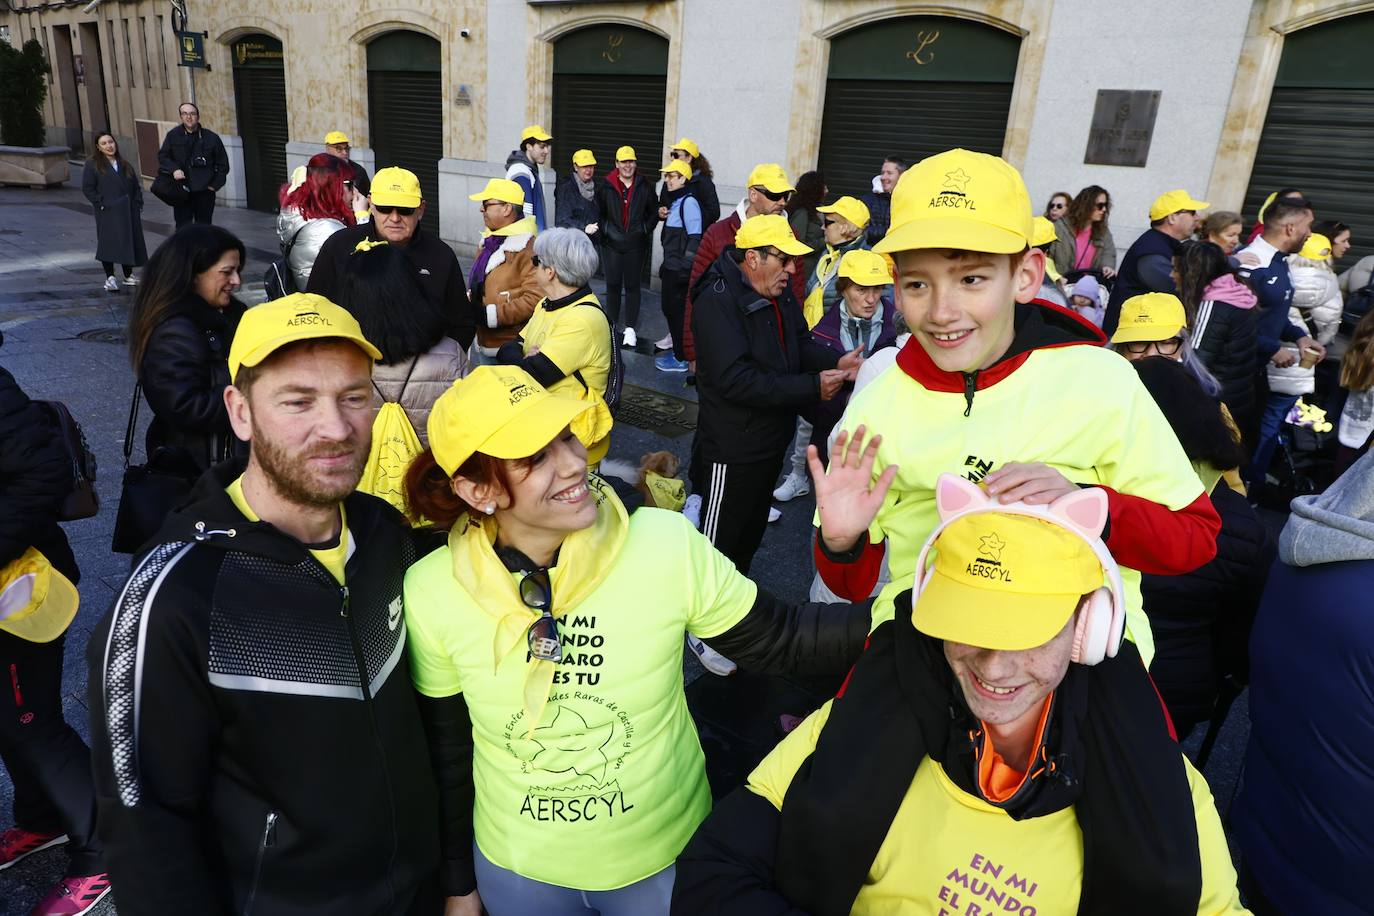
(260, 94)
(407, 123)
(1321, 141)
(865, 120)
(602, 113)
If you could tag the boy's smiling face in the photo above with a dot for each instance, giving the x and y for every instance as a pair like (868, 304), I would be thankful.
(961, 304)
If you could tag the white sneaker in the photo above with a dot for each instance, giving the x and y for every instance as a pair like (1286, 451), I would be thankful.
(692, 510)
(664, 343)
(793, 485)
(773, 514)
(111, 285)
(629, 340)
(131, 280)
(711, 660)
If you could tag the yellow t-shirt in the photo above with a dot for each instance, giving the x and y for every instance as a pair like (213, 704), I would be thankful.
(576, 337)
(611, 784)
(949, 852)
(332, 558)
(1081, 410)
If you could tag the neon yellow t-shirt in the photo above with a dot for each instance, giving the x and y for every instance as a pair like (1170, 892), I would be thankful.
(1081, 410)
(577, 338)
(949, 852)
(611, 784)
(332, 558)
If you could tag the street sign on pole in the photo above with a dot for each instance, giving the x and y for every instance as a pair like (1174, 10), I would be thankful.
(191, 50)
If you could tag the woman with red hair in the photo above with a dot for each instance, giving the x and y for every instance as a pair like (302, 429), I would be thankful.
(313, 211)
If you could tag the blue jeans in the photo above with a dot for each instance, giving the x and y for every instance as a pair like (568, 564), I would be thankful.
(504, 893)
(1276, 407)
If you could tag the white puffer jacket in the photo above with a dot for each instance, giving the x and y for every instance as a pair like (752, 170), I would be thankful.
(433, 373)
(1293, 379)
(313, 232)
(1317, 294)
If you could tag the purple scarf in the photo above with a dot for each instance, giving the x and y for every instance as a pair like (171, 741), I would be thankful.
(479, 266)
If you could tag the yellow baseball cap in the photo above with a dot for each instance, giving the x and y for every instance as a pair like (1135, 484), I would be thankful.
(1316, 248)
(677, 165)
(37, 603)
(583, 157)
(334, 137)
(774, 230)
(687, 146)
(1043, 232)
(395, 187)
(865, 268)
(851, 208)
(1150, 316)
(499, 411)
(535, 132)
(770, 177)
(502, 189)
(962, 200)
(1003, 581)
(1174, 201)
(626, 154)
(266, 328)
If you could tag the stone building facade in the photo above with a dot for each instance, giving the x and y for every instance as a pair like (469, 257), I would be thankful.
(1245, 89)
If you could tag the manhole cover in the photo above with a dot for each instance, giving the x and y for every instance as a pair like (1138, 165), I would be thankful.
(656, 412)
(104, 335)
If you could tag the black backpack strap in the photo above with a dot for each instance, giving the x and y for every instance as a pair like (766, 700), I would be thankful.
(133, 424)
(404, 382)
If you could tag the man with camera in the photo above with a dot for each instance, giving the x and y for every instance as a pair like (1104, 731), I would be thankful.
(195, 157)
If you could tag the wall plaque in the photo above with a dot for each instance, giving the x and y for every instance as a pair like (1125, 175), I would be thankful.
(1123, 123)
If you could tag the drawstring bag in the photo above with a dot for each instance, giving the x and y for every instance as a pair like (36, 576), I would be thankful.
(394, 445)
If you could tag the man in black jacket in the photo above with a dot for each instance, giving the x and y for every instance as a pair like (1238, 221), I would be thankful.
(257, 743)
(397, 208)
(1147, 264)
(756, 368)
(194, 156)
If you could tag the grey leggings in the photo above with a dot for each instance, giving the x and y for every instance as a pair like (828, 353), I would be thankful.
(504, 893)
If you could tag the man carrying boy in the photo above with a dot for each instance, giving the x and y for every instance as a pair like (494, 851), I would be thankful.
(1004, 390)
(996, 749)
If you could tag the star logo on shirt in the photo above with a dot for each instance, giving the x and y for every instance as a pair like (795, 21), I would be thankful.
(958, 180)
(991, 547)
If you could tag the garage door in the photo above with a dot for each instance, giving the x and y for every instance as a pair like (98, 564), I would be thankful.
(1319, 131)
(912, 87)
(406, 111)
(260, 96)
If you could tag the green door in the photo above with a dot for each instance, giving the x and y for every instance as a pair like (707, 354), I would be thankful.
(260, 96)
(1319, 131)
(912, 87)
(406, 110)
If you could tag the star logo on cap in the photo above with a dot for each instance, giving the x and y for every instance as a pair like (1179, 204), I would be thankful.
(957, 180)
(990, 546)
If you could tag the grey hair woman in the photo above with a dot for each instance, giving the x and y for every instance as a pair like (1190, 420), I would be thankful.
(567, 345)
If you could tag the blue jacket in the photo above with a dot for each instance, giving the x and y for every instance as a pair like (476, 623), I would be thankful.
(1273, 287)
(1144, 269)
(526, 174)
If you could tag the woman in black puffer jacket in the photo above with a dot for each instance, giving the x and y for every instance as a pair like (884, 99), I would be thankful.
(180, 328)
(1223, 324)
(1201, 620)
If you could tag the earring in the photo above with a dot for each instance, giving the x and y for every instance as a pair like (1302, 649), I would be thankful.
(491, 507)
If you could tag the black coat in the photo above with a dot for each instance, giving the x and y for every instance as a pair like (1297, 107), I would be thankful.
(35, 476)
(200, 155)
(1201, 620)
(633, 234)
(184, 372)
(1226, 339)
(117, 197)
(756, 366)
(571, 210)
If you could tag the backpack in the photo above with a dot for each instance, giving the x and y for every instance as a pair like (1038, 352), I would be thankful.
(279, 280)
(615, 375)
(81, 500)
(394, 446)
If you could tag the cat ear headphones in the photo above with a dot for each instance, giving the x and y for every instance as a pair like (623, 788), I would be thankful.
(1102, 614)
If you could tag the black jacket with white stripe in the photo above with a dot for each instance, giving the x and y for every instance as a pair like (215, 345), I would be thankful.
(257, 744)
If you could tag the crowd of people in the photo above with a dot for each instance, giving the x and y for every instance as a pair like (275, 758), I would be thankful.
(1038, 559)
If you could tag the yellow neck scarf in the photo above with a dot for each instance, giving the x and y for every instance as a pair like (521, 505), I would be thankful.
(584, 559)
(526, 226)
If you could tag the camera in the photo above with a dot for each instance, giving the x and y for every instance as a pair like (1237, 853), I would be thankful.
(465, 33)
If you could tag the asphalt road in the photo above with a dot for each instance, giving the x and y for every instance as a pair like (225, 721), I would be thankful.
(63, 341)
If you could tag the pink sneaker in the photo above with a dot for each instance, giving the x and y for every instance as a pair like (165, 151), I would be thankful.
(17, 843)
(73, 895)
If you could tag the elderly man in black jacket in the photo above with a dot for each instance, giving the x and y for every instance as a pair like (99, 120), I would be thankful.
(757, 367)
(194, 156)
